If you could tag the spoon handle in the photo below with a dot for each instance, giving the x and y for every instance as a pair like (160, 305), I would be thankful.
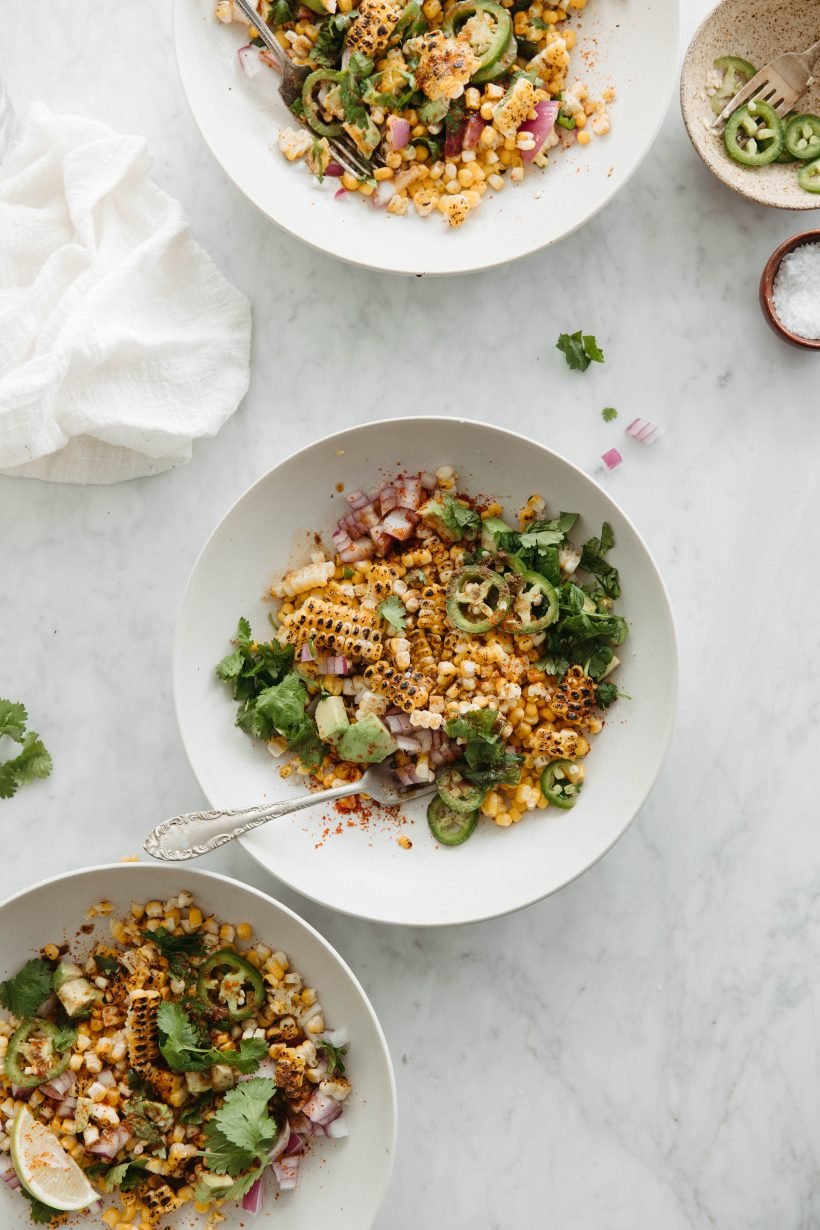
(198, 832)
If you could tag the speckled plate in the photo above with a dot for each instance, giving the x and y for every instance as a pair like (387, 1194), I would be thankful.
(631, 44)
(757, 31)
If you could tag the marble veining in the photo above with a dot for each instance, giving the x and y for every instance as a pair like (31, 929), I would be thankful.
(640, 1050)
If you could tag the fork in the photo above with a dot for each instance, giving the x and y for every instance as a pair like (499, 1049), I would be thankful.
(293, 78)
(779, 84)
(198, 832)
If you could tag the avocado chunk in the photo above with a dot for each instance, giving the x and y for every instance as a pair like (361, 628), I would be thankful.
(65, 972)
(331, 719)
(367, 741)
(451, 520)
(491, 530)
(78, 996)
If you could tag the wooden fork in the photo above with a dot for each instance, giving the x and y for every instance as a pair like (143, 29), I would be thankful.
(780, 84)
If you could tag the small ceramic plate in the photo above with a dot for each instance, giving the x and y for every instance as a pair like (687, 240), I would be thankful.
(631, 44)
(356, 864)
(757, 31)
(341, 1183)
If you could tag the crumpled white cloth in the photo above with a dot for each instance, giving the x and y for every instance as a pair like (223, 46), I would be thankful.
(120, 340)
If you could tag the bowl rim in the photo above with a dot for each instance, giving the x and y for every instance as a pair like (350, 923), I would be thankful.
(662, 746)
(173, 870)
(488, 263)
(767, 281)
(690, 124)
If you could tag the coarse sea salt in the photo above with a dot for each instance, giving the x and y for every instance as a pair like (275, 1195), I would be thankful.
(797, 291)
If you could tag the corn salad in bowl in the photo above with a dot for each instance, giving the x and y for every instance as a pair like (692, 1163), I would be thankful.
(179, 1063)
(444, 101)
(474, 654)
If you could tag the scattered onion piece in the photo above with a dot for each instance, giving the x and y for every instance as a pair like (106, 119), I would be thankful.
(399, 132)
(541, 128)
(612, 459)
(339, 193)
(249, 60)
(643, 430)
(334, 170)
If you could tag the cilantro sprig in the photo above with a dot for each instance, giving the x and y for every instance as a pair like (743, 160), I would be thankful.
(178, 949)
(488, 761)
(185, 1048)
(609, 414)
(393, 611)
(31, 761)
(239, 1138)
(579, 349)
(334, 1056)
(28, 989)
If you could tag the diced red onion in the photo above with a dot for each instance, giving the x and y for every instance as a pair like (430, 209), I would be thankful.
(361, 549)
(643, 430)
(424, 737)
(286, 1171)
(321, 1108)
(107, 1078)
(296, 1144)
(249, 60)
(66, 1108)
(61, 1085)
(408, 775)
(339, 193)
(307, 654)
(357, 499)
(405, 743)
(47, 1008)
(334, 170)
(334, 666)
(612, 459)
(387, 499)
(408, 491)
(282, 1141)
(382, 541)
(253, 1199)
(398, 132)
(454, 140)
(10, 1179)
(368, 516)
(338, 1129)
(444, 753)
(400, 524)
(21, 1093)
(428, 480)
(399, 723)
(472, 132)
(541, 128)
(110, 1143)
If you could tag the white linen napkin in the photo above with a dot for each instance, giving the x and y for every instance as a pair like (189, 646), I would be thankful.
(120, 340)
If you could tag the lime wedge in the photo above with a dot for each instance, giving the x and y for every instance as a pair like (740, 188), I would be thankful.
(45, 1169)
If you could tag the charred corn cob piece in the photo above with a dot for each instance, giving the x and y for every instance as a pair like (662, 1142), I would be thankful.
(574, 698)
(372, 30)
(558, 744)
(160, 1201)
(168, 1087)
(408, 690)
(432, 612)
(380, 580)
(337, 628)
(141, 1028)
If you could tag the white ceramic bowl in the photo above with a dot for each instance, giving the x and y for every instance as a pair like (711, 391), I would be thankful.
(631, 44)
(341, 1183)
(362, 870)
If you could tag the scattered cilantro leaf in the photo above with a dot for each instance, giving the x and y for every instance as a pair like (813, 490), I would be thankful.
(136, 1081)
(592, 560)
(178, 949)
(453, 519)
(41, 1214)
(609, 414)
(393, 611)
(606, 694)
(579, 349)
(125, 1176)
(148, 1120)
(31, 761)
(488, 760)
(334, 1056)
(28, 989)
(185, 1047)
(281, 12)
(253, 666)
(107, 965)
(327, 50)
(195, 1111)
(282, 709)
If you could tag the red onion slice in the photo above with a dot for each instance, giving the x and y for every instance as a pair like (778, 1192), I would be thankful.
(399, 723)
(612, 459)
(338, 1129)
(428, 481)
(286, 1171)
(398, 132)
(307, 654)
(387, 499)
(407, 744)
(60, 1086)
(357, 499)
(454, 141)
(362, 548)
(249, 60)
(400, 524)
(333, 666)
(541, 128)
(643, 430)
(334, 170)
(282, 1141)
(253, 1199)
(11, 1180)
(408, 491)
(472, 133)
(110, 1143)
(382, 541)
(321, 1109)
(339, 193)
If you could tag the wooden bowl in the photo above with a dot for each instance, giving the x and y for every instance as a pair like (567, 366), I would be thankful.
(767, 289)
(755, 30)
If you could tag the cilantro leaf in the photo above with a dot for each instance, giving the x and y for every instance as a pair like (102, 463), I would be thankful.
(13, 718)
(606, 694)
(609, 414)
(454, 520)
(31, 761)
(393, 611)
(579, 350)
(249, 1056)
(334, 1056)
(251, 667)
(281, 13)
(282, 709)
(592, 560)
(242, 1131)
(488, 760)
(107, 965)
(41, 1214)
(194, 1111)
(185, 1048)
(327, 50)
(125, 1176)
(28, 989)
(178, 949)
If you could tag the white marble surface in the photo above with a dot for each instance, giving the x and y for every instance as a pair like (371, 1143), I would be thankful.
(641, 1049)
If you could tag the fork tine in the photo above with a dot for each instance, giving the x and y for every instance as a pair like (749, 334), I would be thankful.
(752, 88)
